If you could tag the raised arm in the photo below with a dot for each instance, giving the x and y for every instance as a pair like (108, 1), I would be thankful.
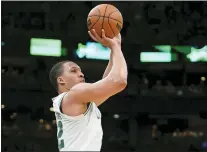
(112, 84)
(110, 63)
(109, 66)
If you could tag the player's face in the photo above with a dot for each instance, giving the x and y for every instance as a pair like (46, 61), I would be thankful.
(71, 76)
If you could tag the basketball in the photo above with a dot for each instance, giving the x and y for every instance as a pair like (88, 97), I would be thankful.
(107, 17)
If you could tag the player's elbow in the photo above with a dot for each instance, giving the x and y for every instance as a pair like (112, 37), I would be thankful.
(117, 83)
(121, 84)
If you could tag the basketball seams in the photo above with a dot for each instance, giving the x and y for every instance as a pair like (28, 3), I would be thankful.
(110, 26)
(97, 19)
(104, 14)
(99, 12)
(109, 22)
(107, 17)
(113, 12)
(114, 18)
(103, 17)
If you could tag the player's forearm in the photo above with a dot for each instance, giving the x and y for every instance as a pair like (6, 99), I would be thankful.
(119, 69)
(109, 66)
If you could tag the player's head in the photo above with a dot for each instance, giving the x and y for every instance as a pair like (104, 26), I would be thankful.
(65, 75)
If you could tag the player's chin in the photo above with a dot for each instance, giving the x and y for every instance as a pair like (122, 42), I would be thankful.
(81, 82)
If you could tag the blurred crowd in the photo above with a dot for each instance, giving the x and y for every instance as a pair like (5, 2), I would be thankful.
(21, 133)
(142, 85)
(137, 85)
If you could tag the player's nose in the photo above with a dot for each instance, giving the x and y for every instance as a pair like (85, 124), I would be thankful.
(81, 75)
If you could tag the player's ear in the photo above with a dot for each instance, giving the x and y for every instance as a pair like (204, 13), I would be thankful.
(60, 80)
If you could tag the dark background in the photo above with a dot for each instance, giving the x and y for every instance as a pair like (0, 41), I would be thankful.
(164, 105)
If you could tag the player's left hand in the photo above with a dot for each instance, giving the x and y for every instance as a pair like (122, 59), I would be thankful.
(105, 41)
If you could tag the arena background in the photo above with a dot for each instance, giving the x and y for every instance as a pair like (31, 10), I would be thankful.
(165, 44)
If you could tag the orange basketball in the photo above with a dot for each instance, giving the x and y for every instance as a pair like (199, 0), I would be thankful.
(107, 17)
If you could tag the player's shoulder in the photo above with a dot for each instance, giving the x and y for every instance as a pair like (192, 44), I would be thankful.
(59, 108)
(57, 101)
(59, 97)
(80, 86)
(71, 107)
(76, 94)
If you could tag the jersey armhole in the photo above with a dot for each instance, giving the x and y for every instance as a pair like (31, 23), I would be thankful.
(88, 108)
(69, 117)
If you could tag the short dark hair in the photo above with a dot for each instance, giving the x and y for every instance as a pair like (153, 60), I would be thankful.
(55, 72)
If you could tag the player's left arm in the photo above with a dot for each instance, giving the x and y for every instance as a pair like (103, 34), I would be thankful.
(109, 66)
(110, 63)
(107, 71)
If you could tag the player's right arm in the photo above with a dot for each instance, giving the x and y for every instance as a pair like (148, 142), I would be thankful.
(114, 83)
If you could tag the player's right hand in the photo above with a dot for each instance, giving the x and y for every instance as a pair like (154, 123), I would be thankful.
(105, 41)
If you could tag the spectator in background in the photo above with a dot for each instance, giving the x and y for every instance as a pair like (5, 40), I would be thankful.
(158, 86)
(133, 84)
(144, 84)
(154, 130)
(170, 88)
(193, 88)
(201, 86)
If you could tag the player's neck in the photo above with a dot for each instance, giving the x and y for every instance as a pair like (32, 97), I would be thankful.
(62, 90)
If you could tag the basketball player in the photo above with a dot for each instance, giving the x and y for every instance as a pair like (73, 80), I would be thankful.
(78, 118)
